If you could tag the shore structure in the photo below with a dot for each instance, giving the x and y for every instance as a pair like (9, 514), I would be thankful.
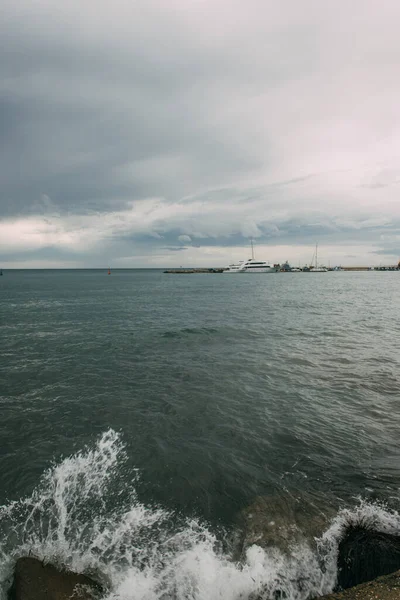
(285, 268)
(182, 271)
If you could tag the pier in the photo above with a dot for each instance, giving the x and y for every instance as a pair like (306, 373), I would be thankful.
(191, 271)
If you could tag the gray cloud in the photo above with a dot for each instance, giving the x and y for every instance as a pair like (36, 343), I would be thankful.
(185, 238)
(175, 248)
(130, 128)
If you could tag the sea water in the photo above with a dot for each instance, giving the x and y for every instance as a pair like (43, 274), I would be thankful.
(142, 414)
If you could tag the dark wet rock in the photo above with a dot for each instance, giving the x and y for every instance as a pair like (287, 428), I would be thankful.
(36, 580)
(365, 554)
(282, 521)
(367, 562)
(386, 587)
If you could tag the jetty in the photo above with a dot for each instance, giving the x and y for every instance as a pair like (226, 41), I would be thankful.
(191, 271)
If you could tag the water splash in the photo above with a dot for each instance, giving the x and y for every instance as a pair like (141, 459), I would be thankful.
(79, 514)
(85, 515)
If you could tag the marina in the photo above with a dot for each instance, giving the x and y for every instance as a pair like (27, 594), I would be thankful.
(253, 266)
(278, 268)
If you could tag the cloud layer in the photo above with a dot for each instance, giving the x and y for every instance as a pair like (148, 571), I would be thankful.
(130, 131)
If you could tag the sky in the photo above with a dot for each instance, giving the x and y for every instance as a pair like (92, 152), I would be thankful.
(155, 133)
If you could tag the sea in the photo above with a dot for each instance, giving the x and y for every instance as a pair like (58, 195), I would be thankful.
(201, 436)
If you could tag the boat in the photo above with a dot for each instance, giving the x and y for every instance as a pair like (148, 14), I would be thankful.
(251, 265)
(316, 268)
(234, 268)
(257, 266)
(285, 268)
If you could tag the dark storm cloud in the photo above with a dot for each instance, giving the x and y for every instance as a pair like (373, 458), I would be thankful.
(86, 122)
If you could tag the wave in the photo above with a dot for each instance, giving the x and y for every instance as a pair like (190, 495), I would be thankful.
(85, 515)
(186, 331)
(225, 332)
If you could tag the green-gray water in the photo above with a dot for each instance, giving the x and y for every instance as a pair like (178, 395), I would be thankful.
(217, 390)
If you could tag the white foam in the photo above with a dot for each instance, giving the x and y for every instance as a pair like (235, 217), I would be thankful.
(82, 516)
(197, 571)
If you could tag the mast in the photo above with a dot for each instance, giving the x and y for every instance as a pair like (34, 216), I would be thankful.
(316, 256)
(312, 261)
(252, 249)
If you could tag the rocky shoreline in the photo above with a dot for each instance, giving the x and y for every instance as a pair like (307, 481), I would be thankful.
(36, 580)
(367, 558)
(386, 587)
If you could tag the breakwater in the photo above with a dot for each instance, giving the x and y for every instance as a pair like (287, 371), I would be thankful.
(191, 271)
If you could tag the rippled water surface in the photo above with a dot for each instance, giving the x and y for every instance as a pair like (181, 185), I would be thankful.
(222, 388)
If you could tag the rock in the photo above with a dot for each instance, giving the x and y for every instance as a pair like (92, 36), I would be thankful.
(282, 521)
(365, 554)
(386, 587)
(35, 580)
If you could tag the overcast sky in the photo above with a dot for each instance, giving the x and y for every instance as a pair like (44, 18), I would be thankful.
(169, 132)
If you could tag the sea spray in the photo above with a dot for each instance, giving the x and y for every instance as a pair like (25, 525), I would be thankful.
(79, 513)
(85, 515)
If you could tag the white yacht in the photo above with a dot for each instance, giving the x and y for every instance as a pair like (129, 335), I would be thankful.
(234, 268)
(251, 266)
(257, 266)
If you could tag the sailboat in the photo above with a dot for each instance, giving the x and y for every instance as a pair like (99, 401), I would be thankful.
(316, 269)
